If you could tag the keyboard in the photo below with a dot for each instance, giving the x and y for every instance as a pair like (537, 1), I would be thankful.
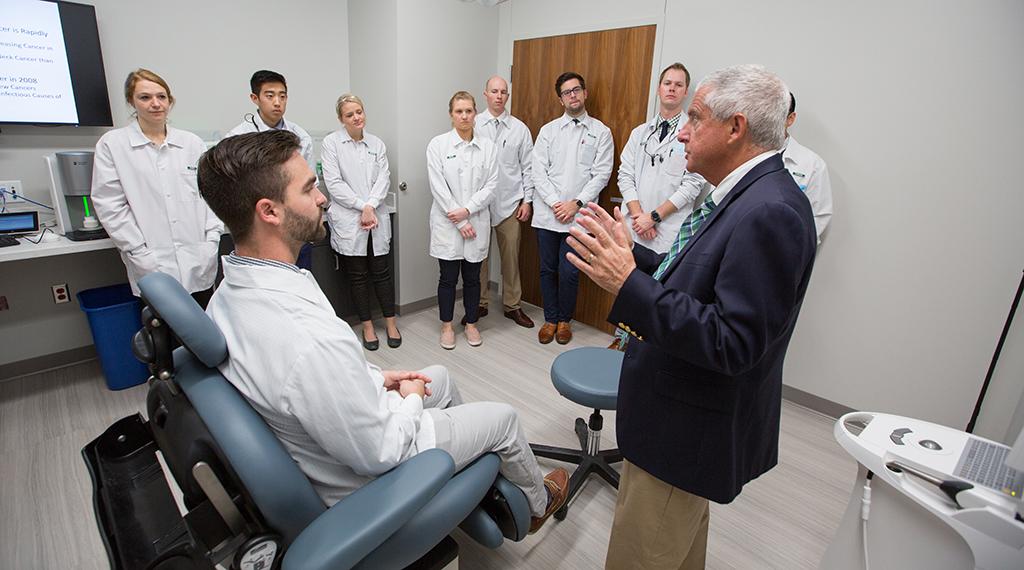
(984, 463)
(7, 241)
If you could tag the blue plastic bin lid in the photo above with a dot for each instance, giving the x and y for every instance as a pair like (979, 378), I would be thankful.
(108, 297)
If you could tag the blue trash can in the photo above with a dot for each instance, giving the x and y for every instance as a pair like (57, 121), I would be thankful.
(114, 317)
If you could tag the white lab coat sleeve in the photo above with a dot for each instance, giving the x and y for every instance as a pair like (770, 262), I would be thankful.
(483, 197)
(542, 186)
(819, 193)
(438, 185)
(627, 165)
(602, 169)
(382, 183)
(688, 190)
(526, 164)
(339, 191)
(111, 203)
(350, 419)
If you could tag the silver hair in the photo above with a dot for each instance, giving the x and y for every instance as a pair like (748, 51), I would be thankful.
(754, 92)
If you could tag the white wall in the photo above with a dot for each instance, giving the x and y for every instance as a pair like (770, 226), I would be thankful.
(206, 51)
(912, 105)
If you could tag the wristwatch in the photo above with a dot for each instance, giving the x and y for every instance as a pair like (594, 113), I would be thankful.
(579, 204)
(655, 216)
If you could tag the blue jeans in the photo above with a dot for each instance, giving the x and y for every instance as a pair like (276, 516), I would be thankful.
(559, 279)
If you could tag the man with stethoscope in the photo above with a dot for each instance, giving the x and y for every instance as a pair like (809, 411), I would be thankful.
(656, 188)
(269, 91)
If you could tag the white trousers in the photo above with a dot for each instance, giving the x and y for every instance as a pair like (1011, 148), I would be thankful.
(467, 431)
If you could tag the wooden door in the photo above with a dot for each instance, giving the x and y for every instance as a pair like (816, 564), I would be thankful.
(616, 65)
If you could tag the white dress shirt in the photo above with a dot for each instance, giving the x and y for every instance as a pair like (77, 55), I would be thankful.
(652, 171)
(356, 174)
(571, 161)
(811, 174)
(462, 175)
(307, 376)
(147, 198)
(514, 144)
(304, 139)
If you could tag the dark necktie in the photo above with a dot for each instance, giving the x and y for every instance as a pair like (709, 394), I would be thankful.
(664, 131)
(575, 121)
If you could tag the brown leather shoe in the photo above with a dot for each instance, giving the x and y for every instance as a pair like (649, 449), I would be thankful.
(481, 312)
(546, 333)
(615, 344)
(557, 483)
(520, 318)
(564, 333)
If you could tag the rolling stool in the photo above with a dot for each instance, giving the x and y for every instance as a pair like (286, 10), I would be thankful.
(588, 376)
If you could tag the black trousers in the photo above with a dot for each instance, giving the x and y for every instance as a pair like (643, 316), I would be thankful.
(470, 288)
(362, 270)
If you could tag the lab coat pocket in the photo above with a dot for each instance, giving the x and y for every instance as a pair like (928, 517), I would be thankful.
(675, 165)
(588, 153)
(190, 186)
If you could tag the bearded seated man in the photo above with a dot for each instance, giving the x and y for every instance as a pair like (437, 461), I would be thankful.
(343, 420)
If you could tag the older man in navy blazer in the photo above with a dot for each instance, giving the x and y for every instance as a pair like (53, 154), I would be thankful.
(701, 383)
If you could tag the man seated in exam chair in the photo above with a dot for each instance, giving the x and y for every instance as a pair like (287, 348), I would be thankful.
(343, 420)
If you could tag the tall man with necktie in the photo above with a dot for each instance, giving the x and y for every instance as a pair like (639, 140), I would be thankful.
(513, 196)
(657, 189)
(700, 389)
(572, 162)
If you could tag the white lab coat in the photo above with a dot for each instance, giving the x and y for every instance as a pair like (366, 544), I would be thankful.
(666, 179)
(811, 174)
(356, 174)
(147, 198)
(305, 140)
(306, 374)
(462, 175)
(570, 162)
(514, 145)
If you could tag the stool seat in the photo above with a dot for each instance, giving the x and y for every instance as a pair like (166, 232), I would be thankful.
(588, 376)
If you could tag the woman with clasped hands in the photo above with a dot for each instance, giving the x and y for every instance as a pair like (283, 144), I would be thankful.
(463, 171)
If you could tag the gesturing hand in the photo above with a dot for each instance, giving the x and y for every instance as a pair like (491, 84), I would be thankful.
(606, 254)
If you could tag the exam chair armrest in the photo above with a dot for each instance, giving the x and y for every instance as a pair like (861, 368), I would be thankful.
(357, 524)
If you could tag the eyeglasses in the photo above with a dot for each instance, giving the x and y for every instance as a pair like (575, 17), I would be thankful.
(574, 91)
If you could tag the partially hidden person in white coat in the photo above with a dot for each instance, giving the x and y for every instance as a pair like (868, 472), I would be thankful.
(463, 172)
(355, 165)
(810, 173)
(146, 195)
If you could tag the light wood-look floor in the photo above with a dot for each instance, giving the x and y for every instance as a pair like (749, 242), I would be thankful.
(783, 520)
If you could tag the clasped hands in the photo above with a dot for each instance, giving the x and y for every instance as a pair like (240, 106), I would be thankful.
(604, 251)
(368, 218)
(406, 382)
(643, 225)
(458, 216)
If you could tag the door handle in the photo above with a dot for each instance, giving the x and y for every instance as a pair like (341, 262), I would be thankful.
(403, 186)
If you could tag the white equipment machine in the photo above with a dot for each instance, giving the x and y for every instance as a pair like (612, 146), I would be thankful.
(70, 187)
(938, 498)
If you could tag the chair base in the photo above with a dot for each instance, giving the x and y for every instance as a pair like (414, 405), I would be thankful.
(588, 457)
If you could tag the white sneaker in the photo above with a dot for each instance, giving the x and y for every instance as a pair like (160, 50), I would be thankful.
(448, 339)
(473, 336)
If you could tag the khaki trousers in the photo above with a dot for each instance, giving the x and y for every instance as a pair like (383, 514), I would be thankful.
(657, 526)
(508, 233)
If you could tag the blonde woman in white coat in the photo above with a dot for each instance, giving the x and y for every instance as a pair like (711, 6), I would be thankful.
(146, 195)
(463, 173)
(355, 165)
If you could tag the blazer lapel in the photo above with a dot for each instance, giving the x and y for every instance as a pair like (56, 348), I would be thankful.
(766, 166)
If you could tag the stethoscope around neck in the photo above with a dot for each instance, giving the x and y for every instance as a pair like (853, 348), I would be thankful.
(252, 119)
(660, 157)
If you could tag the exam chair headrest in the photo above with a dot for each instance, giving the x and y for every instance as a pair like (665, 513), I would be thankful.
(179, 310)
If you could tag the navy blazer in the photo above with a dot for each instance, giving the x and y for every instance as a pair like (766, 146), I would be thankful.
(700, 390)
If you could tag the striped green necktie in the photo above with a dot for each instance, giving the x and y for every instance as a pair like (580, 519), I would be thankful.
(686, 231)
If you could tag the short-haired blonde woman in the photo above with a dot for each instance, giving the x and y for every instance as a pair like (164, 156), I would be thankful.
(355, 165)
(463, 171)
(145, 192)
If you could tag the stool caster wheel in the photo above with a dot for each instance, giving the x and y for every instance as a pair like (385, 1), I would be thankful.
(582, 432)
(561, 513)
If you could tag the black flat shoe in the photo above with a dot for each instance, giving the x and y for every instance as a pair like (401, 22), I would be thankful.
(394, 342)
(371, 344)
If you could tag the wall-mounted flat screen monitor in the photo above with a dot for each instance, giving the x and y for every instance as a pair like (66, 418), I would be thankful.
(51, 68)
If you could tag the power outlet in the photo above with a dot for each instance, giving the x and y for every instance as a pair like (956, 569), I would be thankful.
(60, 293)
(10, 190)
